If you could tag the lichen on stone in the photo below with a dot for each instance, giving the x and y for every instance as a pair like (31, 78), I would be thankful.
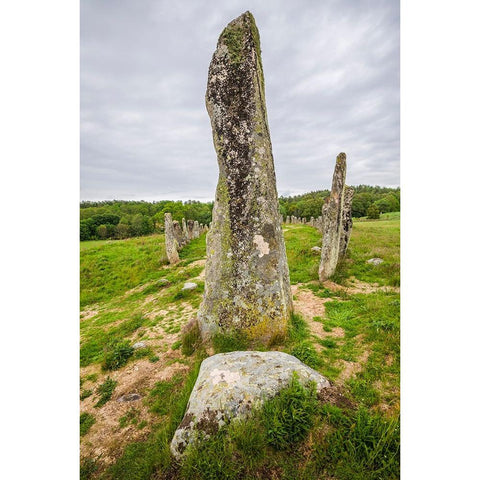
(247, 281)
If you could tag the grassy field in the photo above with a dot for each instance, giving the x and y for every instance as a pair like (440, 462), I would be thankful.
(347, 329)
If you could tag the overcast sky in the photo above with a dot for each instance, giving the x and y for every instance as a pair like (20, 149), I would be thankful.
(331, 78)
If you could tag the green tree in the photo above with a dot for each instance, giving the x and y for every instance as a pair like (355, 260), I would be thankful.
(373, 212)
(102, 232)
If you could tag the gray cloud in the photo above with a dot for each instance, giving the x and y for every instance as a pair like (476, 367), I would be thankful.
(332, 84)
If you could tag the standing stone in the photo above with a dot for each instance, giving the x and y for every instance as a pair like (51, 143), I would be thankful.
(332, 213)
(196, 229)
(177, 231)
(247, 284)
(347, 221)
(288, 220)
(170, 241)
(190, 226)
(184, 231)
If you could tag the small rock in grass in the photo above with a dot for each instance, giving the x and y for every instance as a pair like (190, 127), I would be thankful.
(163, 281)
(375, 261)
(316, 250)
(189, 286)
(129, 397)
(138, 345)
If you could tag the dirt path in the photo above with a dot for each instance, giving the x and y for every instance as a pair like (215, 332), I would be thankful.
(356, 286)
(308, 305)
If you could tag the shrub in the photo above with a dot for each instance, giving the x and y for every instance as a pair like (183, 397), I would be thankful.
(373, 212)
(118, 356)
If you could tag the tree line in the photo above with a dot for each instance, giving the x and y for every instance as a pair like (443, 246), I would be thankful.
(122, 219)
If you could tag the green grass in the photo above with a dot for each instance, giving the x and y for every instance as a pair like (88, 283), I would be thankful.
(358, 441)
(376, 238)
(86, 421)
(362, 445)
(302, 262)
(126, 264)
(289, 416)
(105, 391)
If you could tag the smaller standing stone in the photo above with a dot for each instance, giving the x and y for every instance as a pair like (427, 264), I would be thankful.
(332, 213)
(190, 227)
(196, 229)
(184, 231)
(347, 221)
(170, 241)
(177, 230)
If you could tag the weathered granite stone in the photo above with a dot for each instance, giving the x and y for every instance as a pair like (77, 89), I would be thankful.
(229, 385)
(347, 221)
(177, 231)
(171, 244)
(190, 228)
(375, 261)
(184, 231)
(189, 286)
(247, 286)
(196, 229)
(332, 213)
(316, 250)
(138, 345)
(287, 221)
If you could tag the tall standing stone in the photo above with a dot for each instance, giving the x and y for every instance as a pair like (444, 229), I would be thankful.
(184, 231)
(170, 240)
(247, 285)
(347, 221)
(332, 214)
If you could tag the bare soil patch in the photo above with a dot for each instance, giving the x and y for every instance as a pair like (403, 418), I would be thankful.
(356, 286)
(352, 368)
(308, 305)
(88, 313)
(106, 438)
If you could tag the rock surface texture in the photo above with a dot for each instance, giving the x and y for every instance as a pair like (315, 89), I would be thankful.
(347, 221)
(171, 244)
(229, 385)
(332, 215)
(247, 286)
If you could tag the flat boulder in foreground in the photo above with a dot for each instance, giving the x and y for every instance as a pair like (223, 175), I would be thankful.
(229, 385)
